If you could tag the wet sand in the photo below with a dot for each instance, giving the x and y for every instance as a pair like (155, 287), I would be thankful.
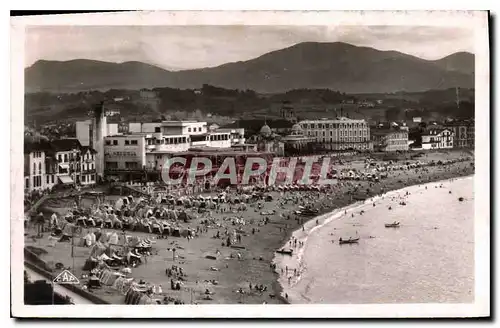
(255, 265)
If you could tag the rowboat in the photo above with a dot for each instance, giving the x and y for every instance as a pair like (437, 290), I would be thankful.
(349, 241)
(392, 225)
(285, 251)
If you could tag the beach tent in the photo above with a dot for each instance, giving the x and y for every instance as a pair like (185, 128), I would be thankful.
(88, 239)
(119, 204)
(104, 257)
(188, 203)
(167, 230)
(176, 232)
(97, 250)
(133, 257)
(113, 238)
(104, 237)
(131, 240)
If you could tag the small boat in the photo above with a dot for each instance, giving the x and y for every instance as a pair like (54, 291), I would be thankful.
(285, 251)
(392, 225)
(308, 212)
(349, 241)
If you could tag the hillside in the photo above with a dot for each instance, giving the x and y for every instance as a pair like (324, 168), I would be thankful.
(462, 62)
(83, 74)
(338, 66)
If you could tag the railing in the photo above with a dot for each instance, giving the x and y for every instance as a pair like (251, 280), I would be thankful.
(139, 169)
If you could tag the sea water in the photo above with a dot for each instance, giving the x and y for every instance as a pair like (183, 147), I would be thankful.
(428, 259)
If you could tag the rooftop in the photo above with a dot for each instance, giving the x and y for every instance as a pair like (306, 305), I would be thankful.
(338, 119)
(65, 144)
(54, 146)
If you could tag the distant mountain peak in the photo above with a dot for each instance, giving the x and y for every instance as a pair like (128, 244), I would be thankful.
(310, 65)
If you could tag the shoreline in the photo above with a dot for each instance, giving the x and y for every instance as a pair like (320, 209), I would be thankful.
(327, 217)
(258, 253)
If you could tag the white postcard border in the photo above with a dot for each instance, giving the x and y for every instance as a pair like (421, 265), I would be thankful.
(478, 20)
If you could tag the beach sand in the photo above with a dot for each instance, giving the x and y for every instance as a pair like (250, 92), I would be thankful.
(259, 249)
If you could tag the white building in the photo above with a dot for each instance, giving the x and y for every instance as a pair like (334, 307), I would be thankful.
(62, 161)
(84, 131)
(34, 167)
(437, 139)
(169, 127)
(88, 170)
(148, 145)
(339, 134)
(67, 152)
(124, 152)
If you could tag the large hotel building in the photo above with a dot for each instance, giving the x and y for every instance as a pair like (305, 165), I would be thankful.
(339, 134)
(144, 147)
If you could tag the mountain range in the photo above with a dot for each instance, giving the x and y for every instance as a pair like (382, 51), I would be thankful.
(310, 65)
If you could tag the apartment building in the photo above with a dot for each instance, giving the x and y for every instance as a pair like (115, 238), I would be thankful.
(440, 138)
(463, 133)
(64, 161)
(389, 139)
(143, 150)
(339, 134)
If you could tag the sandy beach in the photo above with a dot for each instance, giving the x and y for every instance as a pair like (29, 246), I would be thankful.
(228, 272)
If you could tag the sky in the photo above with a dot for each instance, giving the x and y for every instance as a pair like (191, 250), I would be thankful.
(188, 47)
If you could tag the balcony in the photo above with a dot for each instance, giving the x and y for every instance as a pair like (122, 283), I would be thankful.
(139, 169)
(88, 171)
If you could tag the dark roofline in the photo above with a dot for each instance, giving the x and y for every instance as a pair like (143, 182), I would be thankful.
(86, 148)
(51, 147)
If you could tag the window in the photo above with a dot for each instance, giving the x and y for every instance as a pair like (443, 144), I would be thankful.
(199, 129)
(112, 165)
(34, 168)
(131, 165)
(37, 181)
(108, 142)
(127, 142)
(52, 178)
(133, 142)
(189, 129)
(115, 142)
(39, 168)
(157, 129)
(65, 157)
(26, 183)
(92, 178)
(83, 178)
(47, 178)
